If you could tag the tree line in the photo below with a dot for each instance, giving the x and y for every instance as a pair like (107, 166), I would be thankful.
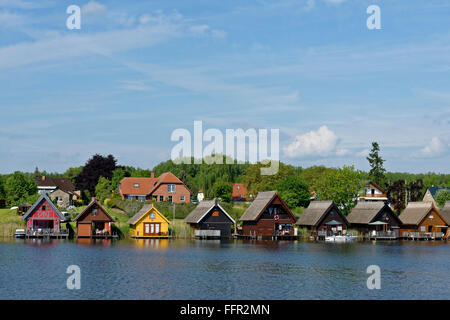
(100, 176)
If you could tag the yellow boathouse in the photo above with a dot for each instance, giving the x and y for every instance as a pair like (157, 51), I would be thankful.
(149, 223)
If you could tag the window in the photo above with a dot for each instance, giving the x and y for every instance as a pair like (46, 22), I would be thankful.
(94, 211)
(181, 198)
(141, 198)
(136, 185)
(170, 198)
(239, 187)
(331, 213)
(44, 208)
(161, 198)
(152, 215)
(171, 188)
(130, 197)
(215, 213)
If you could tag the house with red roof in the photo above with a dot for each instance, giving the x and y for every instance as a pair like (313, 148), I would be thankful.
(239, 192)
(166, 187)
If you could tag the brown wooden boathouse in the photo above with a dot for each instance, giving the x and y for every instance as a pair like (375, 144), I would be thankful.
(94, 222)
(268, 216)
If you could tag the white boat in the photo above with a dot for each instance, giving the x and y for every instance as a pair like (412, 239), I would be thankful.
(344, 238)
(20, 233)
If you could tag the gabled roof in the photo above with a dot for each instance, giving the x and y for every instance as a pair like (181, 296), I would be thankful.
(64, 184)
(202, 209)
(415, 212)
(445, 212)
(433, 190)
(261, 202)
(364, 212)
(42, 198)
(94, 201)
(376, 186)
(316, 211)
(147, 186)
(141, 213)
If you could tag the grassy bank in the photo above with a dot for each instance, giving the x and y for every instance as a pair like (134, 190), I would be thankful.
(9, 222)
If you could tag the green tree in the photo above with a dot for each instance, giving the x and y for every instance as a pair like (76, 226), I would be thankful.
(341, 185)
(377, 171)
(442, 196)
(103, 189)
(118, 175)
(19, 188)
(294, 191)
(223, 190)
(255, 182)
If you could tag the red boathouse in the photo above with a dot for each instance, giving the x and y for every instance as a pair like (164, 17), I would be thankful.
(44, 219)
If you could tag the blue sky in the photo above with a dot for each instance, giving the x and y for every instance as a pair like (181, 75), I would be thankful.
(137, 70)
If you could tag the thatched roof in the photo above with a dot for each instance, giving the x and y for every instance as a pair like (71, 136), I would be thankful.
(314, 213)
(258, 205)
(139, 214)
(415, 212)
(445, 212)
(99, 206)
(202, 209)
(365, 212)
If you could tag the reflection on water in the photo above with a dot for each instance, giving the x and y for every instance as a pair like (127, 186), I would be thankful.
(151, 243)
(218, 269)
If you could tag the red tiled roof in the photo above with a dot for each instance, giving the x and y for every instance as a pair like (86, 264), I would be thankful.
(146, 185)
(239, 192)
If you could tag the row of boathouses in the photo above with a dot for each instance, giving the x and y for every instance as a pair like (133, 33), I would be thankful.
(267, 217)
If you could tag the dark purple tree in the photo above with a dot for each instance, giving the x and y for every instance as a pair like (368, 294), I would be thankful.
(396, 194)
(96, 167)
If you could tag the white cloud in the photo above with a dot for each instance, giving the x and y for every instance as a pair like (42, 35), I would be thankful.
(321, 142)
(310, 4)
(8, 19)
(335, 1)
(199, 29)
(435, 148)
(363, 153)
(135, 86)
(93, 7)
(218, 33)
(342, 152)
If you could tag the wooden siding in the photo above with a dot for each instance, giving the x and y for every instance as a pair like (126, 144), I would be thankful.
(44, 215)
(137, 229)
(216, 219)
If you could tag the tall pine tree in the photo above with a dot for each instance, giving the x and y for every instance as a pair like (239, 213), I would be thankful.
(377, 171)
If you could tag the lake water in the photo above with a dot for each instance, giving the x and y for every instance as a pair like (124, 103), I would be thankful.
(194, 269)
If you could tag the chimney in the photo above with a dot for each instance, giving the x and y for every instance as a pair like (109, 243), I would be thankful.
(43, 178)
(152, 175)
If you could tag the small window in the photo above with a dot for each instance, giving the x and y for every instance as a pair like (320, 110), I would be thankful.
(331, 213)
(171, 188)
(215, 213)
(136, 185)
(431, 216)
(161, 198)
(152, 215)
(181, 198)
(239, 187)
(94, 211)
(44, 208)
(170, 198)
